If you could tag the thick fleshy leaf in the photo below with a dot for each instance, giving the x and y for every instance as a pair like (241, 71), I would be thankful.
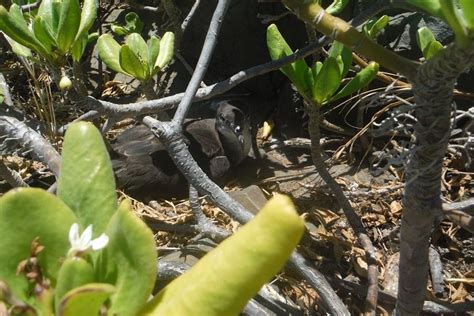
(73, 273)
(26, 214)
(153, 44)
(224, 280)
(129, 261)
(133, 23)
(345, 61)
(85, 300)
(424, 37)
(79, 47)
(279, 48)
(68, 26)
(362, 79)
(336, 6)
(165, 54)
(49, 13)
(14, 25)
(86, 183)
(375, 25)
(467, 7)
(327, 81)
(17, 48)
(88, 15)
(138, 46)
(131, 63)
(43, 34)
(109, 51)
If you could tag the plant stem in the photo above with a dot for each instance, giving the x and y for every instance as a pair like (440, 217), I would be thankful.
(316, 154)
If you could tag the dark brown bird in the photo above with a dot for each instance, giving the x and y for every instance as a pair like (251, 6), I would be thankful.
(145, 171)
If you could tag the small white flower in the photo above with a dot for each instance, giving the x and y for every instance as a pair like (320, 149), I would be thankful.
(82, 243)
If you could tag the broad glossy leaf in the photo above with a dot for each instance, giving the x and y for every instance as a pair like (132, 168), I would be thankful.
(14, 25)
(68, 26)
(327, 81)
(131, 63)
(86, 182)
(26, 214)
(129, 261)
(153, 44)
(42, 34)
(49, 13)
(73, 273)
(85, 300)
(336, 6)
(362, 79)
(279, 48)
(88, 15)
(467, 7)
(223, 281)
(138, 46)
(316, 69)
(166, 51)
(119, 30)
(109, 51)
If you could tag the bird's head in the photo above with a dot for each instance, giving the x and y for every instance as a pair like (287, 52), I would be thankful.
(234, 130)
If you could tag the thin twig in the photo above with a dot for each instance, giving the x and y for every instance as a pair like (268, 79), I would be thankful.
(190, 16)
(11, 176)
(203, 62)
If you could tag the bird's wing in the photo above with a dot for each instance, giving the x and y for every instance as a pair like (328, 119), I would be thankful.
(136, 141)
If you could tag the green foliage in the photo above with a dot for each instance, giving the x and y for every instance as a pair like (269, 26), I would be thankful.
(136, 57)
(133, 24)
(117, 270)
(56, 31)
(224, 280)
(375, 25)
(427, 43)
(337, 6)
(321, 82)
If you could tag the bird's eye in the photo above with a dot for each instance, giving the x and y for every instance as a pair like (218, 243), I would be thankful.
(237, 129)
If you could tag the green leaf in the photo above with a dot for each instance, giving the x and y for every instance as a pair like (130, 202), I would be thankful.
(133, 23)
(43, 34)
(452, 17)
(131, 63)
(337, 6)
(375, 25)
(85, 300)
(49, 13)
(467, 7)
(138, 46)
(427, 43)
(109, 51)
(424, 36)
(68, 26)
(14, 25)
(118, 30)
(362, 79)
(88, 15)
(153, 44)
(79, 46)
(223, 281)
(279, 48)
(316, 69)
(166, 51)
(86, 182)
(129, 261)
(327, 81)
(26, 214)
(73, 273)
(345, 62)
(432, 7)
(433, 48)
(17, 48)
